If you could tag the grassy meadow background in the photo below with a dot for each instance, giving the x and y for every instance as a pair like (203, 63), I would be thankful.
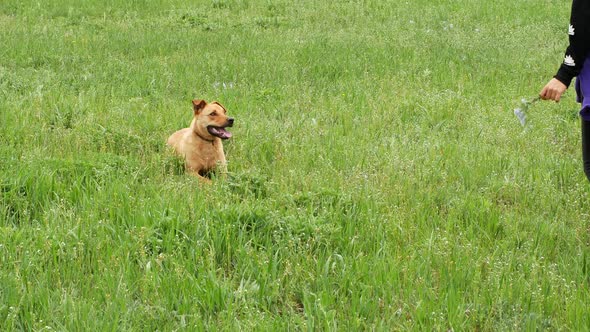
(379, 180)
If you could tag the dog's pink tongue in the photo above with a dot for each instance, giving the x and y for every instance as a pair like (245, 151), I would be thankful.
(220, 132)
(224, 134)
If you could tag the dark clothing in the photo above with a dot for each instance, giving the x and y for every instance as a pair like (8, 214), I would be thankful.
(586, 147)
(583, 89)
(577, 64)
(583, 92)
(579, 47)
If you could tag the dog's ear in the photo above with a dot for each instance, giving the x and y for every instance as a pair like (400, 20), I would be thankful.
(216, 102)
(198, 105)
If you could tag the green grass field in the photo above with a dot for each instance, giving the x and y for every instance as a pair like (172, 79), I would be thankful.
(378, 177)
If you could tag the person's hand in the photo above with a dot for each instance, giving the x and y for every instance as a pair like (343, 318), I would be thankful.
(553, 90)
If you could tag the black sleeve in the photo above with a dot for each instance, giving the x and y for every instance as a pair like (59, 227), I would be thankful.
(579, 35)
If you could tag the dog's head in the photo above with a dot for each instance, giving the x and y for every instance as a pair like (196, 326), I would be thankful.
(211, 119)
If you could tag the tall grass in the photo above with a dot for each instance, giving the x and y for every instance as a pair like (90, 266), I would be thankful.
(378, 178)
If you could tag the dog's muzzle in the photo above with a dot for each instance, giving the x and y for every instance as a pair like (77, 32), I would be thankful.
(220, 131)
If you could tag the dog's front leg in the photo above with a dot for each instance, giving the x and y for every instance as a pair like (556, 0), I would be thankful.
(221, 162)
(222, 169)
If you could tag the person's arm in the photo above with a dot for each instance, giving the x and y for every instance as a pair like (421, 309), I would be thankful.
(579, 35)
(576, 53)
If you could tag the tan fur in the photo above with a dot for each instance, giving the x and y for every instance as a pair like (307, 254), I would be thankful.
(202, 151)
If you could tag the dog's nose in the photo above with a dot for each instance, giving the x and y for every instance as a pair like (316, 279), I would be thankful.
(230, 122)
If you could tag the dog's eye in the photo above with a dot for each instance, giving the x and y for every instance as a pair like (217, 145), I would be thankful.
(213, 114)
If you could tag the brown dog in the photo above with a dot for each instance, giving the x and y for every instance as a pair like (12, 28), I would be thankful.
(200, 144)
